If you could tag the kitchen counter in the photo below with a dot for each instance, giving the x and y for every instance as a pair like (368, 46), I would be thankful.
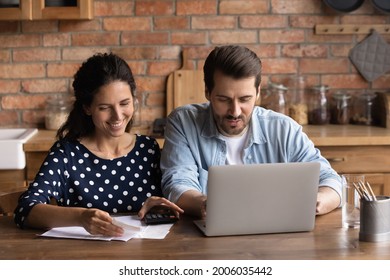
(348, 148)
(44, 139)
(321, 135)
(347, 135)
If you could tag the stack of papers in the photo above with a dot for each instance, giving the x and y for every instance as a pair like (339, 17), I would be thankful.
(132, 225)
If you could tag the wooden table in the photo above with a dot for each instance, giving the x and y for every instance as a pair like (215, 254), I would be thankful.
(328, 241)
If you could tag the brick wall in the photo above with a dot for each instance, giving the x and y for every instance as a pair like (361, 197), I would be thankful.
(38, 58)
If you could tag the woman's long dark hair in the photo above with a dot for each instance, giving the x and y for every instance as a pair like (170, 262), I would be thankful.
(97, 71)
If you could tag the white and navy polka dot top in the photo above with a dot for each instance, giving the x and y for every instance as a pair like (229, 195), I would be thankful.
(75, 177)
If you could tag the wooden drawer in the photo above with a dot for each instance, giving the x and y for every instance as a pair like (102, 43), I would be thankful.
(34, 161)
(9, 195)
(358, 159)
(14, 178)
(380, 183)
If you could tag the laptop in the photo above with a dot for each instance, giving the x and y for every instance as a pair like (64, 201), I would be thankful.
(261, 198)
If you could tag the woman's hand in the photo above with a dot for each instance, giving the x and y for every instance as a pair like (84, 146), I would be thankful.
(98, 222)
(154, 201)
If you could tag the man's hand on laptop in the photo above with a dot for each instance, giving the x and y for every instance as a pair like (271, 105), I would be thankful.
(203, 208)
(327, 200)
(193, 202)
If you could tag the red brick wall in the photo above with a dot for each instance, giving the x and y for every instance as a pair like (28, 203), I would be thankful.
(38, 58)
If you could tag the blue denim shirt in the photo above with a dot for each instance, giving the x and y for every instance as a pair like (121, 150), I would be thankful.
(192, 144)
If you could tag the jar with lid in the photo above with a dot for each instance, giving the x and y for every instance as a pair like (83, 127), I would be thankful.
(363, 109)
(297, 108)
(340, 108)
(57, 110)
(275, 98)
(318, 105)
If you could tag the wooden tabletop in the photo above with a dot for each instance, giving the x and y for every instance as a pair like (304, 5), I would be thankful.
(328, 241)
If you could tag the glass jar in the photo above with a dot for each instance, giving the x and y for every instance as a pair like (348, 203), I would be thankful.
(297, 109)
(57, 110)
(340, 108)
(318, 105)
(363, 109)
(136, 120)
(275, 98)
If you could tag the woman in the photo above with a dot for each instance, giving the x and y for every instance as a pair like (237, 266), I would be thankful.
(96, 167)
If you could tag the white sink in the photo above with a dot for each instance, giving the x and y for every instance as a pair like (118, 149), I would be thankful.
(11, 146)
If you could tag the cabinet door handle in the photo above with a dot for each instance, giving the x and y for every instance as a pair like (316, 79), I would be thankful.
(336, 159)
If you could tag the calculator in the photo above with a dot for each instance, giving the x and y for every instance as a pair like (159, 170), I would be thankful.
(160, 217)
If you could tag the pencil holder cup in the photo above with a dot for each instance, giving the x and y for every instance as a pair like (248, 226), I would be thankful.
(375, 219)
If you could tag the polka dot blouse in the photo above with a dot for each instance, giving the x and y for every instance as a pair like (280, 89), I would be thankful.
(75, 177)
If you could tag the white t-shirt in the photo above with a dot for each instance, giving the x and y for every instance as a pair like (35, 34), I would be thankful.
(235, 148)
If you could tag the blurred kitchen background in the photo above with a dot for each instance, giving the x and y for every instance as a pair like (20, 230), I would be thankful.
(308, 38)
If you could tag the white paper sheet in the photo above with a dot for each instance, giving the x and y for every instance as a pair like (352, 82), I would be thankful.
(132, 225)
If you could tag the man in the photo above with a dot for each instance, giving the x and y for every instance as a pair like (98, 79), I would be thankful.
(230, 129)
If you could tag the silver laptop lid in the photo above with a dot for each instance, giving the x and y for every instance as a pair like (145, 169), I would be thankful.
(261, 198)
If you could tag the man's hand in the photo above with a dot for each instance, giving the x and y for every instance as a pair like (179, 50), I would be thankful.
(327, 200)
(193, 203)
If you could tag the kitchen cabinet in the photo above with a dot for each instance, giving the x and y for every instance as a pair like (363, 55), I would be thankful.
(373, 161)
(12, 179)
(356, 149)
(22, 12)
(83, 10)
(37, 10)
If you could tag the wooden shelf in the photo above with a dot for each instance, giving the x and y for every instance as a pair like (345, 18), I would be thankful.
(340, 29)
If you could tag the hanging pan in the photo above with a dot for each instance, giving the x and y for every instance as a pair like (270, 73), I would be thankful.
(382, 6)
(344, 6)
